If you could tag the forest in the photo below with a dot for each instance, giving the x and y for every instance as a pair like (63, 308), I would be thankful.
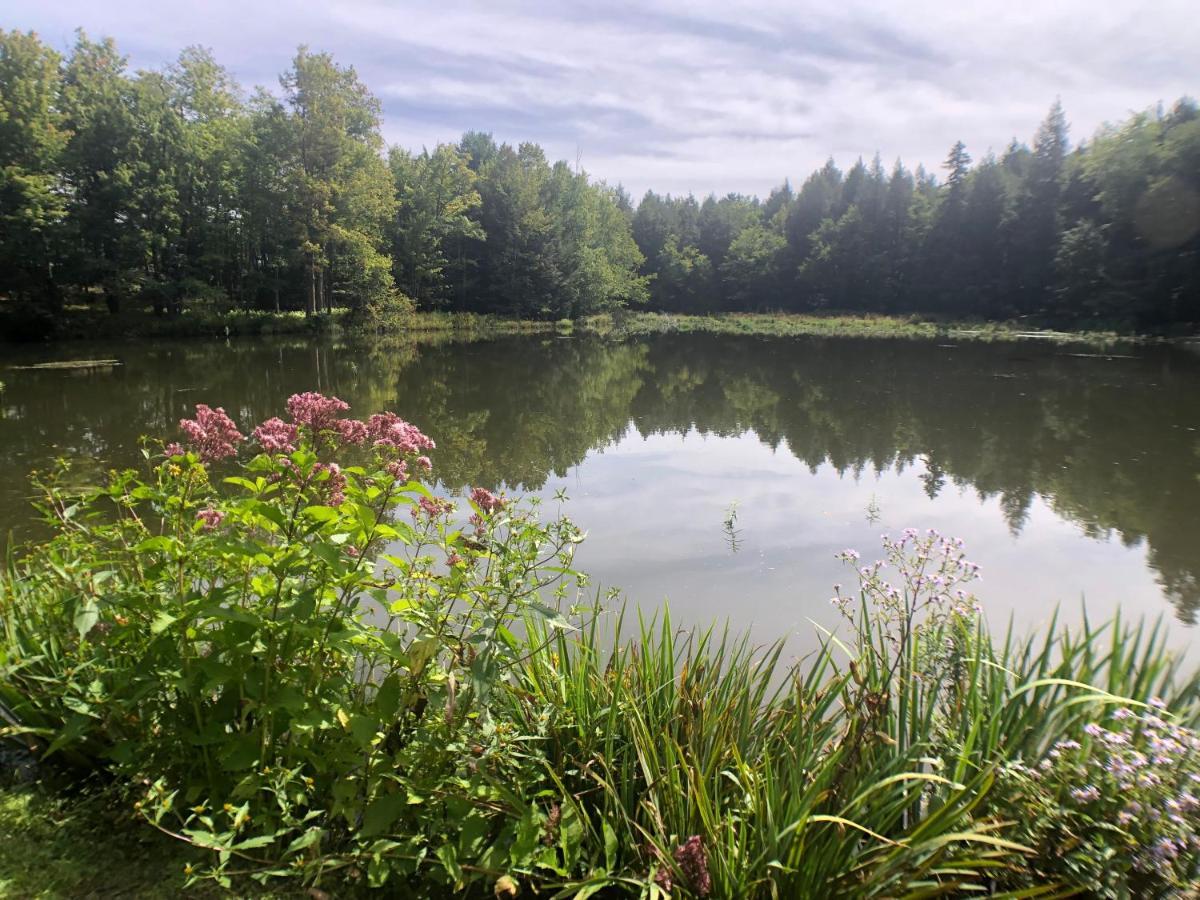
(177, 189)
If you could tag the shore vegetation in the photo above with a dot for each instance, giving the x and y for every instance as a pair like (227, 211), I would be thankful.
(277, 649)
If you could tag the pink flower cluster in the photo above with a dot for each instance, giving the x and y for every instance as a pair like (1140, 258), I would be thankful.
(210, 518)
(389, 430)
(212, 433)
(432, 507)
(351, 431)
(277, 436)
(335, 484)
(486, 500)
(318, 412)
(215, 436)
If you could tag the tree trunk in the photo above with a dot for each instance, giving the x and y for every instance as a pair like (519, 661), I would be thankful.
(310, 305)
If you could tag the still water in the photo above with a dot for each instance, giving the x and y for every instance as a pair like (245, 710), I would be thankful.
(1073, 476)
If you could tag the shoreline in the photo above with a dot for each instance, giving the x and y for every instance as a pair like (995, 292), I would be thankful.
(91, 325)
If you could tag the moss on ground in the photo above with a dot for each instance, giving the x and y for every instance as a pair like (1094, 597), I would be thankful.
(86, 846)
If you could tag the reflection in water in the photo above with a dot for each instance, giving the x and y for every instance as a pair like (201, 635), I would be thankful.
(1091, 462)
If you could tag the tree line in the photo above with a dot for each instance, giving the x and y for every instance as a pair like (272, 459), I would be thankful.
(175, 188)
(172, 186)
(1109, 231)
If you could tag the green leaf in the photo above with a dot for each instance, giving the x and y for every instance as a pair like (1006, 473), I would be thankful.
(305, 841)
(242, 753)
(86, 616)
(329, 554)
(527, 840)
(321, 513)
(269, 512)
(570, 835)
(592, 888)
(162, 622)
(364, 728)
(381, 812)
(420, 652)
(387, 699)
(158, 543)
(261, 840)
(242, 482)
(448, 854)
(552, 616)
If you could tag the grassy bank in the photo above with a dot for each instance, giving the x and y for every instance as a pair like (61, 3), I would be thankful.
(90, 322)
(60, 848)
(840, 325)
(290, 663)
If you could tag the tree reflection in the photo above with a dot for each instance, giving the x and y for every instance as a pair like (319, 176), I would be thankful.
(1110, 445)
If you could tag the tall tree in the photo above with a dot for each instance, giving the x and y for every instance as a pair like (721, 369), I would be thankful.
(342, 187)
(215, 132)
(436, 214)
(1035, 233)
(98, 169)
(32, 139)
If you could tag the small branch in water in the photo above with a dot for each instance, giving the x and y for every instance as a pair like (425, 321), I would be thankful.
(732, 533)
(874, 513)
(72, 364)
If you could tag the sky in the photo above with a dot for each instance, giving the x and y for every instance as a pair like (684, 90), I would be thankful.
(700, 96)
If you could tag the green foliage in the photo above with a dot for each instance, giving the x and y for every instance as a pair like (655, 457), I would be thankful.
(437, 208)
(285, 670)
(120, 187)
(555, 244)
(342, 195)
(277, 669)
(1115, 813)
(32, 138)
(1106, 234)
(138, 188)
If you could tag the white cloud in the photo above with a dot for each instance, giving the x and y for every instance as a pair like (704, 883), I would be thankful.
(700, 95)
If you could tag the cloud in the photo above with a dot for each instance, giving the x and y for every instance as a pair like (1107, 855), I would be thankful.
(700, 95)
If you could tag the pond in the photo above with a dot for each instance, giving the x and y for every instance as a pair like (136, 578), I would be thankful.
(721, 474)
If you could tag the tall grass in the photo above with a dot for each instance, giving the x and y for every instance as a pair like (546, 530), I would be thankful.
(832, 776)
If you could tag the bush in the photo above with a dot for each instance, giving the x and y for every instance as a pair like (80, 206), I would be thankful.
(387, 311)
(285, 669)
(21, 320)
(1117, 810)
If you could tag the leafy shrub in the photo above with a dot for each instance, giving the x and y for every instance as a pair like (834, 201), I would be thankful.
(287, 661)
(22, 320)
(388, 310)
(1117, 810)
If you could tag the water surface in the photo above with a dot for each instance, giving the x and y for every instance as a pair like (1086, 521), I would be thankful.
(1072, 475)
